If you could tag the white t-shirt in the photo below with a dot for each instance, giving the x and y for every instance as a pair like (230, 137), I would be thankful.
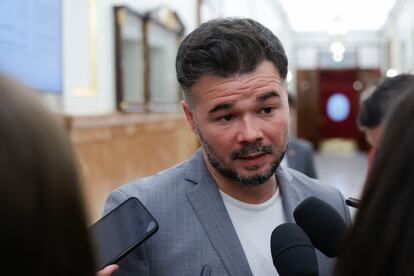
(254, 224)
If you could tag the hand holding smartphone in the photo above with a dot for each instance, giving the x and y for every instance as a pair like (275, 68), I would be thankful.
(121, 230)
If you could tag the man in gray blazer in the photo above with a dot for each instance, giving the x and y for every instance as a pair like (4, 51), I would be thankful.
(216, 211)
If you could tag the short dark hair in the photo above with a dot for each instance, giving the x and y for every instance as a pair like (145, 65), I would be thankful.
(43, 219)
(380, 242)
(225, 47)
(375, 107)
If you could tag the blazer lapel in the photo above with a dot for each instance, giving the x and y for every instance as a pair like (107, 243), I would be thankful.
(210, 210)
(290, 196)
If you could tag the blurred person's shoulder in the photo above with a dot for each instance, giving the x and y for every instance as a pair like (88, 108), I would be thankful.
(302, 143)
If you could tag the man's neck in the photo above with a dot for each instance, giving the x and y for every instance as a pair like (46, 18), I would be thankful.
(248, 194)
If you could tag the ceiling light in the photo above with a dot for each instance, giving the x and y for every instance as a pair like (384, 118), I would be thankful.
(391, 73)
(338, 57)
(337, 47)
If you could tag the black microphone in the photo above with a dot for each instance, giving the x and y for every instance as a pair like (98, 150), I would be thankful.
(322, 223)
(292, 251)
(353, 202)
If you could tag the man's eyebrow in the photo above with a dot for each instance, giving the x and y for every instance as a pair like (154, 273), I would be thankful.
(222, 106)
(264, 97)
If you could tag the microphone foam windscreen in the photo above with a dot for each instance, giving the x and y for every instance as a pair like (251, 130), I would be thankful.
(292, 251)
(322, 223)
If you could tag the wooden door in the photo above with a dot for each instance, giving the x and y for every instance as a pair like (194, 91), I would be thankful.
(338, 104)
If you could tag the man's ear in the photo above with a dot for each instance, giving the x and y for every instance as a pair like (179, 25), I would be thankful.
(189, 115)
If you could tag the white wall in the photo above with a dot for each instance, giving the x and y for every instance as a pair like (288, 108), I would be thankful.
(399, 34)
(76, 53)
(369, 56)
(367, 46)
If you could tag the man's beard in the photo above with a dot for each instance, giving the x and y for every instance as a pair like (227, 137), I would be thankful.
(230, 173)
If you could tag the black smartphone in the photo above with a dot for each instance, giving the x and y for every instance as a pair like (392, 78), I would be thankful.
(120, 231)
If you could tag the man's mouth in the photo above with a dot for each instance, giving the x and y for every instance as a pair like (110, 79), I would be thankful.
(250, 152)
(252, 161)
(252, 156)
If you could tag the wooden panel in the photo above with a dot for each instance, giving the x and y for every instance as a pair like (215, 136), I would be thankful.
(113, 150)
(308, 106)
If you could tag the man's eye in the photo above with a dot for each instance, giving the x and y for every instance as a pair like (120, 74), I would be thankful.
(268, 110)
(227, 118)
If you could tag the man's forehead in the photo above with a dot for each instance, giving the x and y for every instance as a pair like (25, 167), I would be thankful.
(226, 104)
(265, 74)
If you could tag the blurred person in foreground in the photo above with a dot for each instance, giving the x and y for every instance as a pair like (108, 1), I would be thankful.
(217, 210)
(43, 225)
(381, 241)
(374, 109)
(299, 153)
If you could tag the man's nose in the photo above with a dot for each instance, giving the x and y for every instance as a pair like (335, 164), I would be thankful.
(250, 131)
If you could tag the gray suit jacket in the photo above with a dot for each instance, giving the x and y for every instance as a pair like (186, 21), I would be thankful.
(299, 156)
(194, 227)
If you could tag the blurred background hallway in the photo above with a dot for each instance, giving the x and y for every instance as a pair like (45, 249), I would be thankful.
(344, 169)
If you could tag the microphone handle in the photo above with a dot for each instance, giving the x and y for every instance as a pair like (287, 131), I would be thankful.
(353, 202)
